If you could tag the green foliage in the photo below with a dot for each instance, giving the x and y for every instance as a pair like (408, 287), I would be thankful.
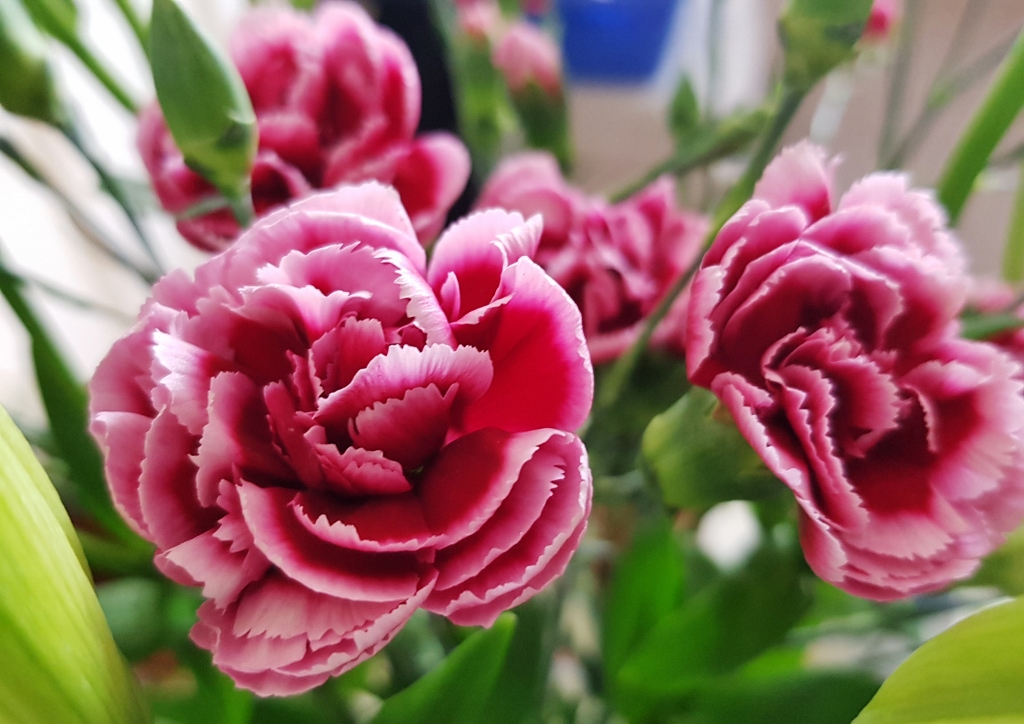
(713, 633)
(818, 35)
(57, 17)
(810, 697)
(988, 126)
(518, 695)
(545, 122)
(60, 663)
(613, 439)
(684, 114)
(970, 674)
(134, 608)
(1004, 568)
(646, 586)
(204, 102)
(699, 459)
(26, 82)
(455, 692)
(67, 409)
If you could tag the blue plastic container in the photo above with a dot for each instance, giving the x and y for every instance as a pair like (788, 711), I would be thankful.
(619, 41)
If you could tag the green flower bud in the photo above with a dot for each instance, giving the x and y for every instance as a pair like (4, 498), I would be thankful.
(59, 660)
(818, 35)
(698, 457)
(57, 17)
(204, 101)
(26, 84)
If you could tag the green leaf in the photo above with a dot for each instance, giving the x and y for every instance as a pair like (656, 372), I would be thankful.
(684, 113)
(134, 608)
(518, 695)
(818, 35)
(969, 674)
(647, 584)
(1004, 568)
(804, 698)
(457, 690)
(57, 17)
(26, 81)
(67, 409)
(545, 122)
(699, 459)
(712, 634)
(204, 101)
(60, 663)
(986, 129)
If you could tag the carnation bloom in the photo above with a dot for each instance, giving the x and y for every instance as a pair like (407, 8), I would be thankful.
(337, 99)
(526, 54)
(326, 435)
(617, 261)
(830, 333)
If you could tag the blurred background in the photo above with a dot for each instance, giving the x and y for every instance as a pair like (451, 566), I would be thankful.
(624, 59)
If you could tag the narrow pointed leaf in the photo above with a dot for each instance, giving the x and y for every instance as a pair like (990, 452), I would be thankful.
(455, 692)
(66, 406)
(60, 663)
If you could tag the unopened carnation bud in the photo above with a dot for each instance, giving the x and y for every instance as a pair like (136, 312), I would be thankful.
(26, 84)
(526, 54)
(204, 101)
(60, 663)
(819, 36)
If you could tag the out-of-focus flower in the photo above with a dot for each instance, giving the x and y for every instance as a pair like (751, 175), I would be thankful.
(60, 660)
(830, 333)
(995, 297)
(326, 435)
(525, 54)
(885, 14)
(337, 99)
(535, 7)
(480, 20)
(616, 261)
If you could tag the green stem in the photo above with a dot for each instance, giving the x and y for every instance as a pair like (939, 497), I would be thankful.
(898, 83)
(1013, 256)
(104, 76)
(618, 377)
(117, 192)
(986, 129)
(729, 141)
(136, 22)
(89, 230)
(742, 189)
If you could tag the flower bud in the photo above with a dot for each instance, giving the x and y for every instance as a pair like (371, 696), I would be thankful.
(60, 661)
(203, 99)
(26, 84)
(698, 457)
(818, 36)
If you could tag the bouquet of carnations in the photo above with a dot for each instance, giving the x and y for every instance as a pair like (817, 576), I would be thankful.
(428, 433)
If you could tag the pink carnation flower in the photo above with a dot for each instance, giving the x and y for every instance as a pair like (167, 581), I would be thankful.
(617, 261)
(326, 435)
(830, 333)
(526, 54)
(337, 98)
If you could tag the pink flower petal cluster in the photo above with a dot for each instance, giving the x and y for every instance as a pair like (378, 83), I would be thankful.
(337, 99)
(617, 261)
(526, 54)
(327, 434)
(829, 331)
